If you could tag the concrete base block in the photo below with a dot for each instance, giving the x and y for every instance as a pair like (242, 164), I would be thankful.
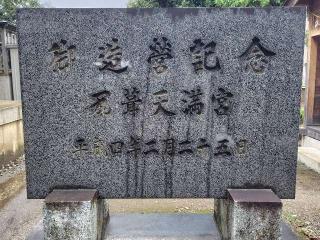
(249, 214)
(74, 215)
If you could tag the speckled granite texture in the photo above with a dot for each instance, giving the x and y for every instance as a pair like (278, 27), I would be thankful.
(253, 214)
(161, 103)
(74, 215)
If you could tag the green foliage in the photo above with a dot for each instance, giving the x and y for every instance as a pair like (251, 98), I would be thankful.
(242, 3)
(8, 8)
(204, 3)
(142, 4)
(301, 115)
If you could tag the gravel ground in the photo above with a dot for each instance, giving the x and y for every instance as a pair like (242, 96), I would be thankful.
(11, 169)
(303, 213)
(19, 215)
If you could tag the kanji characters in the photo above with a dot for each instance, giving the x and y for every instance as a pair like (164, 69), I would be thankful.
(203, 56)
(222, 101)
(161, 99)
(193, 104)
(223, 148)
(134, 146)
(100, 105)
(80, 145)
(169, 146)
(151, 147)
(161, 50)
(203, 144)
(116, 147)
(110, 58)
(184, 147)
(132, 101)
(63, 55)
(242, 146)
(256, 57)
(99, 147)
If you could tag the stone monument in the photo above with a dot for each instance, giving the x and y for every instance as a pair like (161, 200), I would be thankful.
(161, 103)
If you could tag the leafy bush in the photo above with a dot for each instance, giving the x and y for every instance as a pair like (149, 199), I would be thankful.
(301, 115)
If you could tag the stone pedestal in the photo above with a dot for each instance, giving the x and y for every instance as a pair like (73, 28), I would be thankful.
(249, 214)
(74, 215)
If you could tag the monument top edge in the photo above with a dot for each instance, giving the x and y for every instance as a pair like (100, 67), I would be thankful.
(181, 9)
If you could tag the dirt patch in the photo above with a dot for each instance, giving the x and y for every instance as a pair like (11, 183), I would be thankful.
(161, 205)
(11, 187)
(303, 213)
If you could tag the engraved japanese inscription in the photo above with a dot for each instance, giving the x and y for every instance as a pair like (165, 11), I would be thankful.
(256, 57)
(161, 51)
(63, 55)
(161, 103)
(110, 58)
(201, 54)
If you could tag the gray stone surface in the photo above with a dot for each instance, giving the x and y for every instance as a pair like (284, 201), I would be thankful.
(252, 214)
(75, 105)
(74, 215)
(162, 226)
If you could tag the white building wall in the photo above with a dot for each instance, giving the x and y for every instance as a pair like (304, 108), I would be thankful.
(5, 88)
(15, 73)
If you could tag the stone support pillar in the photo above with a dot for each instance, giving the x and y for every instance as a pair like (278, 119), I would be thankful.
(75, 214)
(249, 214)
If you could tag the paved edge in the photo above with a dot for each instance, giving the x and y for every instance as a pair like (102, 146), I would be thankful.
(151, 226)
